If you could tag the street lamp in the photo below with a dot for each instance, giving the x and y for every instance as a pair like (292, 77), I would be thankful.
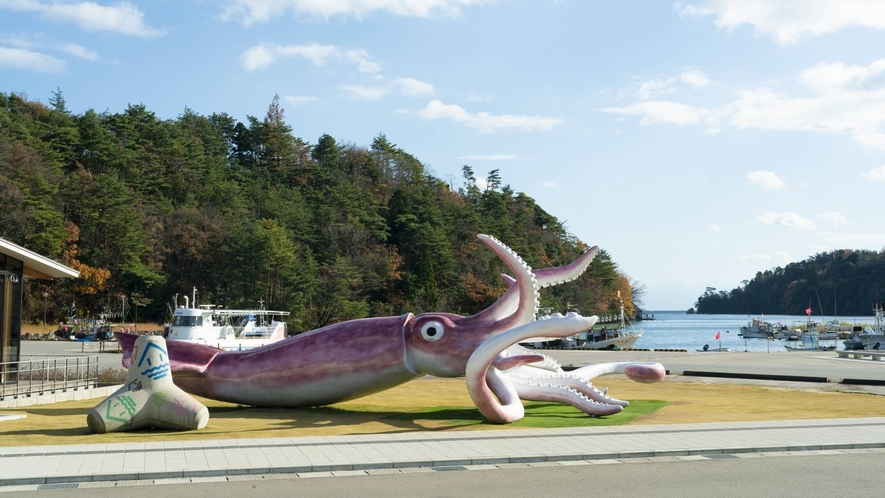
(45, 295)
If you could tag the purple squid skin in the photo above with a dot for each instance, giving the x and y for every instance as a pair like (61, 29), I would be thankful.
(336, 363)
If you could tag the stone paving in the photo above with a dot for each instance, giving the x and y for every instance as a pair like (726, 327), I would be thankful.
(125, 464)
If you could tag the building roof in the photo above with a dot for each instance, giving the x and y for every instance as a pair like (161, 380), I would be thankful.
(35, 265)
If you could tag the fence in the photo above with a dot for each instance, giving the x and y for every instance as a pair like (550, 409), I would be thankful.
(48, 375)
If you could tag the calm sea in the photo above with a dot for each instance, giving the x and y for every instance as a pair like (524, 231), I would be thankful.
(677, 330)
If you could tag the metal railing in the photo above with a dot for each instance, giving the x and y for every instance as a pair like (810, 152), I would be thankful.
(49, 374)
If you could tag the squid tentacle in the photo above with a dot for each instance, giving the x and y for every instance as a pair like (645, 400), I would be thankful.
(514, 308)
(562, 393)
(485, 382)
(532, 377)
(640, 372)
(546, 277)
(546, 362)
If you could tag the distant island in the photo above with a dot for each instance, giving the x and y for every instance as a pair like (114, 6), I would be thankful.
(843, 281)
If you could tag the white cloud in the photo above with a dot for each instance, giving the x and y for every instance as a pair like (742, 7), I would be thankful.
(656, 112)
(359, 92)
(314, 52)
(785, 256)
(258, 57)
(714, 227)
(79, 51)
(846, 100)
(19, 41)
(485, 122)
(409, 87)
(766, 179)
(834, 218)
(263, 55)
(249, 11)
(301, 99)
(875, 174)
(19, 58)
(789, 20)
(825, 76)
(475, 97)
(360, 58)
(787, 219)
(653, 88)
(549, 184)
(414, 88)
(123, 18)
(694, 77)
(495, 157)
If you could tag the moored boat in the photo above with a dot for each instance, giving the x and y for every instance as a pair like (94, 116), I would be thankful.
(808, 341)
(708, 349)
(228, 329)
(869, 338)
(758, 329)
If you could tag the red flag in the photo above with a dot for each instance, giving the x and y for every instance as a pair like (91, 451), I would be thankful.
(717, 335)
(807, 311)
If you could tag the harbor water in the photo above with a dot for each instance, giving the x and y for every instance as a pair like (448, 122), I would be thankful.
(678, 330)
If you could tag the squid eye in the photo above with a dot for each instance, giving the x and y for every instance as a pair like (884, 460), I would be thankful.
(432, 331)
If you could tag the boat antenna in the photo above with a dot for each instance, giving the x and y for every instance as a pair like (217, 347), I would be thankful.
(821, 306)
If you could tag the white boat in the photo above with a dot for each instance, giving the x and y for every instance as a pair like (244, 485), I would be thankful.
(824, 332)
(227, 329)
(708, 349)
(758, 329)
(808, 341)
(869, 338)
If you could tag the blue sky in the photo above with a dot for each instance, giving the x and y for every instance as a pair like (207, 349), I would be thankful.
(698, 142)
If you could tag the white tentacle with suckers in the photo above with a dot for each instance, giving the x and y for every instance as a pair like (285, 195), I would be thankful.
(484, 382)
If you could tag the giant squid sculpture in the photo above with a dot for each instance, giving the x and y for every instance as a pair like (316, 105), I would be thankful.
(360, 357)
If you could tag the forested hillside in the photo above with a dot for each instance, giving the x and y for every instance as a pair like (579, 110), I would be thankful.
(843, 282)
(247, 212)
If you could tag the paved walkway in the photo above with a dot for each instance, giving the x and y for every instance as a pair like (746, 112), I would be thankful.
(49, 467)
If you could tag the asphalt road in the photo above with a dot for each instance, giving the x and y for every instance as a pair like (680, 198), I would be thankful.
(808, 476)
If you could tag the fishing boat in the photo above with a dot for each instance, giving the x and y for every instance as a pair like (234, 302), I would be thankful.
(227, 329)
(808, 341)
(758, 329)
(869, 338)
(84, 329)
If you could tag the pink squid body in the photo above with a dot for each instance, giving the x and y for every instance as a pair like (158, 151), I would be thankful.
(329, 365)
